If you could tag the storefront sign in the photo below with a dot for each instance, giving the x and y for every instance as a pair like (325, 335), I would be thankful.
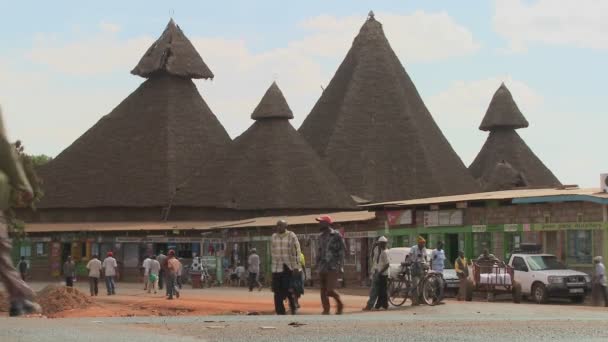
(511, 227)
(438, 218)
(480, 228)
(127, 239)
(399, 217)
(568, 226)
(361, 235)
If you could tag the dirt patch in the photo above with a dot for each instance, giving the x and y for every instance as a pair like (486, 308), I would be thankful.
(3, 302)
(54, 299)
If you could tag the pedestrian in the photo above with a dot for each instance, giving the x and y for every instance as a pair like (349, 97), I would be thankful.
(373, 291)
(418, 259)
(109, 267)
(240, 274)
(253, 265)
(297, 281)
(285, 252)
(162, 260)
(599, 290)
(487, 256)
(69, 269)
(330, 260)
(438, 258)
(146, 266)
(461, 266)
(178, 279)
(94, 267)
(380, 277)
(153, 276)
(173, 267)
(23, 268)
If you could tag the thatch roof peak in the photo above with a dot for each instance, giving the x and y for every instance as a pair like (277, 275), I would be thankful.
(273, 105)
(172, 53)
(503, 112)
(503, 176)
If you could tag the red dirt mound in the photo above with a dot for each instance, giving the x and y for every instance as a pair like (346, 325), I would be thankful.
(55, 299)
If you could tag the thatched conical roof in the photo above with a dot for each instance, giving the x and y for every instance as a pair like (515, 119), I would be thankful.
(503, 177)
(503, 112)
(270, 166)
(174, 54)
(372, 128)
(137, 155)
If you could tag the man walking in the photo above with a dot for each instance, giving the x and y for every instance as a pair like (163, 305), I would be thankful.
(23, 268)
(69, 269)
(438, 258)
(94, 267)
(173, 267)
(380, 277)
(373, 291)
(146, 266)
(418, 258)
(285, 253)
(330, 259)
(162, 260)
(109, 271)
(461, 265)
(154, 272)
(12, 179)
(599, 282)
(253, 266)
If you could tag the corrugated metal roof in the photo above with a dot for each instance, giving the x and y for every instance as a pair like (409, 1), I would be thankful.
(348, 216)
(496, 195)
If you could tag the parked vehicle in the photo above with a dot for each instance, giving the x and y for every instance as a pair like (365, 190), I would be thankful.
(543, 276)
(494, 277)
(397, 256)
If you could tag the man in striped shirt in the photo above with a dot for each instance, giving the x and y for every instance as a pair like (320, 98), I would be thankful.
(285, 252)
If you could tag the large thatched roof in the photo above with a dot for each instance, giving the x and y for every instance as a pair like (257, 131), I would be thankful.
(372, 128)
(503, 112)
(504, 145)
(269, 166)
(172, 53)
(137, 155)
(502, 177)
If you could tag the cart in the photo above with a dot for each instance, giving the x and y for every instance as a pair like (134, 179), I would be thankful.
(494, 277)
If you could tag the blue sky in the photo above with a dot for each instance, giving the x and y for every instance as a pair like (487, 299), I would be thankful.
(64, 64)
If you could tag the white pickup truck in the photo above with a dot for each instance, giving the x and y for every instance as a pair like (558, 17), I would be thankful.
(543, 276)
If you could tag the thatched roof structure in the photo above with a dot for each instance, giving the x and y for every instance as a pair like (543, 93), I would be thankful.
(372, 128)
(504, 145)
(503, 177)
(137, 155)
(270, 166)
(172, 53)
(503, 112)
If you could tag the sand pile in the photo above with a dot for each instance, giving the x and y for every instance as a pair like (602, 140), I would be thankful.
(55, 299)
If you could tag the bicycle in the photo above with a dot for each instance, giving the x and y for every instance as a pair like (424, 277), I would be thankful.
(430, 288)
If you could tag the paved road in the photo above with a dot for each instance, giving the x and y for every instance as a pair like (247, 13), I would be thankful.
(453, 321)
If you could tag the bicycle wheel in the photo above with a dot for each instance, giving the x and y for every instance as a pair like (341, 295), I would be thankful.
(397, 294)
(432, 290)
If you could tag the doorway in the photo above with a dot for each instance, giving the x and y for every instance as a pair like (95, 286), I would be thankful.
(451, 247)
(66, 250)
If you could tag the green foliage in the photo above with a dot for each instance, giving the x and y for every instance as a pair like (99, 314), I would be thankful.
(39, 160)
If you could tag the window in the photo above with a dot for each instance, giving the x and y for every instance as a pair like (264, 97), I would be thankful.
(579, 217)
(25, 251)
(40, 249)
(545, 262)
(481, 241)
(184, 250)
(519, 264)
(579, 247)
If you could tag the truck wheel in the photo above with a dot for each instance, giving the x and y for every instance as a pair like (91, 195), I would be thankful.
(516, 293)
(469, 291)
(578, 299)
(539, 293)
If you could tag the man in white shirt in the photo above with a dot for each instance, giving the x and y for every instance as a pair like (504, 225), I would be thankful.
(146, 267)
(94, 267)
(380, 277)
(418, 259)
(438, 258)
(153, 276)
(254, 269)
(109, 271)
(599, 282)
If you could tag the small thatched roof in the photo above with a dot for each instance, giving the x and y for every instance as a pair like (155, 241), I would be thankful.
(174, 54)
(270, 166)
(372, 128)
(507, 146)
(503, 112)
(503, 177)
(272, 105)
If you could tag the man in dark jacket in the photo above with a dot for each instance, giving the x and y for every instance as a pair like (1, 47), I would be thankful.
(330, 259)
(22, 268)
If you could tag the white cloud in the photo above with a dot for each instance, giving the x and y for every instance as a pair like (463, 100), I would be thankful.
(109, 27)
(579, 23)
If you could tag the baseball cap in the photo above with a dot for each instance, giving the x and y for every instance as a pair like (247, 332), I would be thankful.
(325, 218)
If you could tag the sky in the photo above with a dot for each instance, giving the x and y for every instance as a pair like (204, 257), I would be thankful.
(65, 64)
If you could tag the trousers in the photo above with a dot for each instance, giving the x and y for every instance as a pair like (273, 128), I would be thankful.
(382, 282)
(110, 286)
(15, 286)
(329, 282)
(281, 282)
(93, 285)
(373, 293)
(253, 281)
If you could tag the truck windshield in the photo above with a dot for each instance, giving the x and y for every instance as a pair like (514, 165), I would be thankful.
(545, 262)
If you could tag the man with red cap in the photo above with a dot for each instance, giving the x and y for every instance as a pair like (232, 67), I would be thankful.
(109, 266)
(173, 268)
(330, 259)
